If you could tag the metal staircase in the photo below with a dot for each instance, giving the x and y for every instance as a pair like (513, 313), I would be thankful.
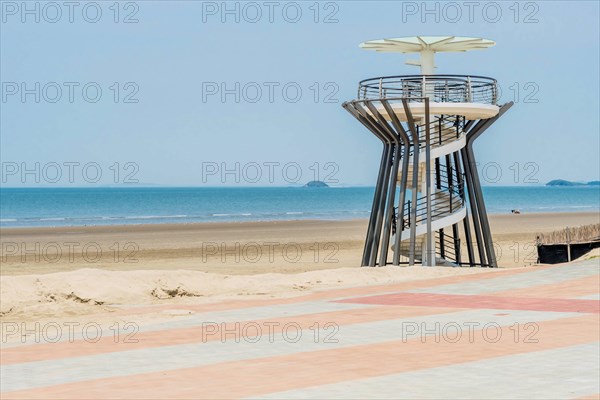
(447, 196)
(427, 166)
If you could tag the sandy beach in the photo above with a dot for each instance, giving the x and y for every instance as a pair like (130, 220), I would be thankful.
(238, 247)
(62, 271)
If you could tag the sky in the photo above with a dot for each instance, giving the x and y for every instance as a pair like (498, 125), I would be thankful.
(191, 93)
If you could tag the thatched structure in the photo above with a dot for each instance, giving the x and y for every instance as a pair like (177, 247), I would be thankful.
(580, 234)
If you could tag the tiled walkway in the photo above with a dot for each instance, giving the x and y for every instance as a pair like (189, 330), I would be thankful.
(526, 333)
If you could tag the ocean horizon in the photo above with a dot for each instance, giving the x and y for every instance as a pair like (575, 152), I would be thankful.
(40, 207)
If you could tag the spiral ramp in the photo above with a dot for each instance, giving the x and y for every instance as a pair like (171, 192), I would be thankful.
(425, 186)
(447, 199)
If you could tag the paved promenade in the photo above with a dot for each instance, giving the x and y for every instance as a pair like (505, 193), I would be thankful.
(520, 333)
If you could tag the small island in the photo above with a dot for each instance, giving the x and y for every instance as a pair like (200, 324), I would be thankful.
(565, 183)
(316, 184)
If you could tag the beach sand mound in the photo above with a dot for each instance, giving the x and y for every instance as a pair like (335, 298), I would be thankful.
(82, 291)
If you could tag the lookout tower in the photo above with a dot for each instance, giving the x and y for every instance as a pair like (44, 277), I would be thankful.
(428, 205)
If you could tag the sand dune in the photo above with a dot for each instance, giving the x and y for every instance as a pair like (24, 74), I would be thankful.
(88, 291)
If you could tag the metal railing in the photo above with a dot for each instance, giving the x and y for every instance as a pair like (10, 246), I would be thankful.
(439, 131)
(449, 198)
(446, 247)
(439, 88)
(439, 208)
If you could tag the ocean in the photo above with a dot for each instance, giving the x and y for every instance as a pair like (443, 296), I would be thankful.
(33, 207)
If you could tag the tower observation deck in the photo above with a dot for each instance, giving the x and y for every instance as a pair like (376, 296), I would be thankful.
(428, 206)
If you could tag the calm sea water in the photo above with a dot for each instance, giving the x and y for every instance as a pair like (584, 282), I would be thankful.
(111, 206)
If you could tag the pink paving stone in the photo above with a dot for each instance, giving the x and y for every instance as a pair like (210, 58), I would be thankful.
(479, 301)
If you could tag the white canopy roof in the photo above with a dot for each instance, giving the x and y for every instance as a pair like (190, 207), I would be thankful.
(427, 46)
(417, 44)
